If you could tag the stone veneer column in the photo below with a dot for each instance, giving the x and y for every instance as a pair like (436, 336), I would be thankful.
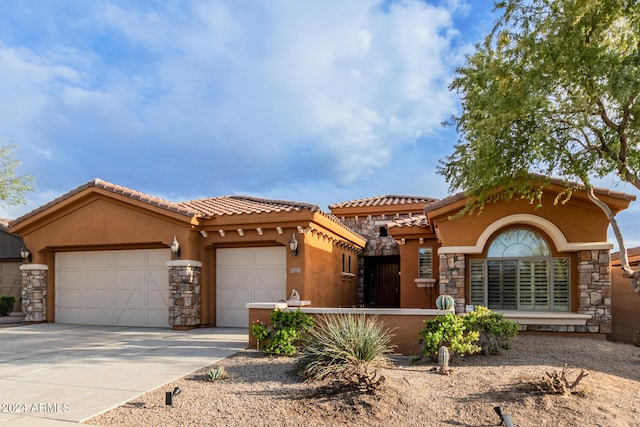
(34, 292)
(452, 278)
(184, 293)
(595, 289)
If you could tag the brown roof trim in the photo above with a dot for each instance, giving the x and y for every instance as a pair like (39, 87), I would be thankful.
(116, 189)
(444, 202)
(387, 200)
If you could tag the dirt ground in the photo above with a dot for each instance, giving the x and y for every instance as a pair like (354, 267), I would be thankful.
(262, 391)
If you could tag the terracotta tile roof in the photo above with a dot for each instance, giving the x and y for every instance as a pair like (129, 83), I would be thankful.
(233, 205)
(118, 189)
(412, 221)
(387, 200)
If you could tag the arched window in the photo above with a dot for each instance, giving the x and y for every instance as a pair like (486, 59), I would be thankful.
(520, 273)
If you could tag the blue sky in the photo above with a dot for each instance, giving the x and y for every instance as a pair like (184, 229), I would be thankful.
(314, 101)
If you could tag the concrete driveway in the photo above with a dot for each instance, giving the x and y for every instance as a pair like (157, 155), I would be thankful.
(53, 374)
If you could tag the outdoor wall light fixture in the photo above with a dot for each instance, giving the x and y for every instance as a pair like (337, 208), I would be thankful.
(175, 247)
(169, 395)
(25, 254)
(293, 245)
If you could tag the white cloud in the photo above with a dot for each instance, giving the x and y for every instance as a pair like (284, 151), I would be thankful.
(251, 97)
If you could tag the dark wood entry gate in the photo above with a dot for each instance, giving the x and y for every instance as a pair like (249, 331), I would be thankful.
(382, 281)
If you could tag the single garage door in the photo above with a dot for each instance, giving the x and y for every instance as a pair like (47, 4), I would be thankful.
(123, 288)
(247, 275)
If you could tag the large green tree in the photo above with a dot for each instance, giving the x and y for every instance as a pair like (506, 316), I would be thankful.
(554, 90)
(13, 186)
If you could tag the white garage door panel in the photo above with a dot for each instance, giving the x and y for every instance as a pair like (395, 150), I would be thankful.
(247, 275)
(124, 288)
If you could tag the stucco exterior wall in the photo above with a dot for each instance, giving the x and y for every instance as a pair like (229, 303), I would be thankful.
(625, 303)
(411, 295)
(466, 230)
(325, 285)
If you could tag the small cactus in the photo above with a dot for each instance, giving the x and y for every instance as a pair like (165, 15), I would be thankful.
(445, 302)
(443, 360)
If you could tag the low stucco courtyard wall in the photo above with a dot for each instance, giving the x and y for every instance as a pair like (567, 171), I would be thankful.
(404, 323)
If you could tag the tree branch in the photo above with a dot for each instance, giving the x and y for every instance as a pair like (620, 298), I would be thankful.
(624, 258)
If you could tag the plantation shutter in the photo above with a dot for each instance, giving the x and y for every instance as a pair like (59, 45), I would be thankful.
(502, 285)
(561, 284)
(534, 285)
(476, 279)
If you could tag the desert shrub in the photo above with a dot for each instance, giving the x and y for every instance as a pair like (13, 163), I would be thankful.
(216, 374)
(6, 304)
(288, 330)
(347, 347)
(450, 331)
(558, 383)
(494, 330)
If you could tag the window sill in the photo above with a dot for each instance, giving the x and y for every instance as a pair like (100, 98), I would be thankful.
(425, 283)
(546, 318)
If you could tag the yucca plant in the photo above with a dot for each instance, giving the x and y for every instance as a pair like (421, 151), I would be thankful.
(347, 347)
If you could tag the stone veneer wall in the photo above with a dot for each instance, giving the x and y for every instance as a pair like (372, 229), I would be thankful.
(369, 227)
(452, 278)
(595, 289)
(34, 292)
(184, 295)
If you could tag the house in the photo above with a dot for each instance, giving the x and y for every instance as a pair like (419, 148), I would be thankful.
(625, 303)
(102, 254)
(10, 277)
(106, 254)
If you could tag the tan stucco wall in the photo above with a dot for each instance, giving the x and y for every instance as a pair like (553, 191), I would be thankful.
(465, 230)
(412, 296)
(100, 222)
(324, 285)
(625, 304)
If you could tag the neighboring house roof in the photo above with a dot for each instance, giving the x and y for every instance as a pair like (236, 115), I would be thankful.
(234, 205)
(631, 253)
(387, 200)
(412, 221)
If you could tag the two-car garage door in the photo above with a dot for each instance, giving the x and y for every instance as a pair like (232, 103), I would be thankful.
(124, 288)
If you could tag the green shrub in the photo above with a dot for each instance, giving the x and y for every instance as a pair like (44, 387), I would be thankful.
(347, 347)
(287, 331)
(494, 330)
(450, 331)
(6, 304)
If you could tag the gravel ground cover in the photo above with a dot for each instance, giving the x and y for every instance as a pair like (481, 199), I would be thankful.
(263, 391)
